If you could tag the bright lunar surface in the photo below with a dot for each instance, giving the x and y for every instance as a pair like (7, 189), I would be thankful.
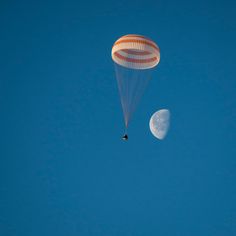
(159, 123)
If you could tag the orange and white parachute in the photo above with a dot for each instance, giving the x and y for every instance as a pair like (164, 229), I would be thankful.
(134, 56)
(135, 52)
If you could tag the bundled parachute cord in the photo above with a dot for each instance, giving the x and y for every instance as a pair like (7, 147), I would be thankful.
(126, 130)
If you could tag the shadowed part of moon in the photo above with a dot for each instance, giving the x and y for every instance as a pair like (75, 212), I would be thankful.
(159, 123)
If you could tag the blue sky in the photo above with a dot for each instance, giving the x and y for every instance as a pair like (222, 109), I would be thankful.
(64, 169)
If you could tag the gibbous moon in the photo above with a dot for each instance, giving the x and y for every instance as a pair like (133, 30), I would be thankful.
(159, 123)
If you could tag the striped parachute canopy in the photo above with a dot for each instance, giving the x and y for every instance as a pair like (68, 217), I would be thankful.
(135, 52)
(134, 58)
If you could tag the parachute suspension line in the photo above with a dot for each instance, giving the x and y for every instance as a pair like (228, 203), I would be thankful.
(138, 89)
(132, 84)
(123, 91)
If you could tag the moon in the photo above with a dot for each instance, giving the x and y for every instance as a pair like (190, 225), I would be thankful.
(159, 123)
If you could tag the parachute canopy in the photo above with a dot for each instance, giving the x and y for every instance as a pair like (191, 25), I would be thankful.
(135, 52)
(134, 57)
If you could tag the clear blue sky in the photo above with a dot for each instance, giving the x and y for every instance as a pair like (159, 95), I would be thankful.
(64, 169)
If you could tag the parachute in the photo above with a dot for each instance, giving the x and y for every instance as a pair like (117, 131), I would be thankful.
(134, 58)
